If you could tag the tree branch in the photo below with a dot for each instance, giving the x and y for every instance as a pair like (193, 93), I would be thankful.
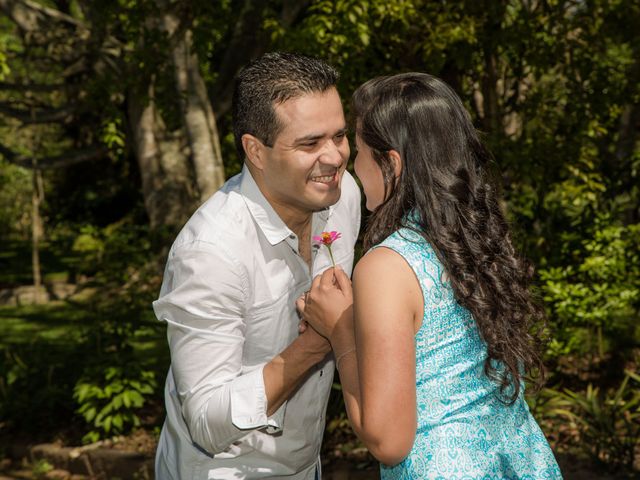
(31, 87)
(27, 117)
(48, 163)
(31, 16)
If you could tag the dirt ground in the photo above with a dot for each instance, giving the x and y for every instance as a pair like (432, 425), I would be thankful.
(131, 457)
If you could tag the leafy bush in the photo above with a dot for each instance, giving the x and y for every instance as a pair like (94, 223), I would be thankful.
(126, 278)
(109, 404)
(599, 292)
(607, 423)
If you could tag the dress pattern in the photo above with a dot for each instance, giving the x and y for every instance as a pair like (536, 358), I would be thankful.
(464, 431)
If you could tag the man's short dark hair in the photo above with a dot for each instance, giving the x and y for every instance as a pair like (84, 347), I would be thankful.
(272, 79)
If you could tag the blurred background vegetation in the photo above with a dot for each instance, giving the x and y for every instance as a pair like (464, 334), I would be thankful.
(115, 126)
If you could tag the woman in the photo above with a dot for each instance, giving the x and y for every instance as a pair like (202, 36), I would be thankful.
(434, 340)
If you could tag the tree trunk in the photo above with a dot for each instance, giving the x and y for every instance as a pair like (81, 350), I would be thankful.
(198, 118)
(627, 132)
(494, 14)
(36, 234)
(489, 85)
(164, 170)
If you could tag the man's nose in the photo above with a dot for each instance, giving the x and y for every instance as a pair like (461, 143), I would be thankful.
(332, 153)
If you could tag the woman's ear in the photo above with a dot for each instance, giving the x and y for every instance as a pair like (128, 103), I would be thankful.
(253, 150)
(397, 163)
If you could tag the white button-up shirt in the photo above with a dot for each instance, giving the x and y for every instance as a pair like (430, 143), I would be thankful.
(228, 298)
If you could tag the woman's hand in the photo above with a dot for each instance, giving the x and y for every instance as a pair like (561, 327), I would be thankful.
(328, 307)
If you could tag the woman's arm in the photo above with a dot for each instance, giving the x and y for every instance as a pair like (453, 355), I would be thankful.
(375, 347)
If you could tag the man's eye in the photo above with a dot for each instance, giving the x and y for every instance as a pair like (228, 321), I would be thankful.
(309, 144)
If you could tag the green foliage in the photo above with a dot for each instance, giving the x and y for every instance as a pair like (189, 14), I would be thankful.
(126, 278)
(577, 197)
(124, 270)
(600, 289)
(7, 43)
(109, 404)
(365, 38)
(41, 468)
(113, 136)
(608, 423)
(89, 247)
(39, 357)
(15, 200)
(36, 379)
(4, 67)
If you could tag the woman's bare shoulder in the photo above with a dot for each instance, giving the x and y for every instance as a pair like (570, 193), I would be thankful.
(383, 276)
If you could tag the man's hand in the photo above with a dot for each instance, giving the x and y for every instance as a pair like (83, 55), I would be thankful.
(312, 341)
(285, 372)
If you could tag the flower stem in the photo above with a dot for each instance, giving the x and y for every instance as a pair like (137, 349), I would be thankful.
(331, 255)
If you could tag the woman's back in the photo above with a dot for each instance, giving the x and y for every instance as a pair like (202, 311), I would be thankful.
(464, 429)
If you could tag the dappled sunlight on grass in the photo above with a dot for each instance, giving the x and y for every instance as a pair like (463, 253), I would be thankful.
(55, 321)
(68, 323)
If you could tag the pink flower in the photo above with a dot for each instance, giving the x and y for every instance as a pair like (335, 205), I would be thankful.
(326, 239)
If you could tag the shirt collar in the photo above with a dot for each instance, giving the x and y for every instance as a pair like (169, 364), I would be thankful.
(272, 226)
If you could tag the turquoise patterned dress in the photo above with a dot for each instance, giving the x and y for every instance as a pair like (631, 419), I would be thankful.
(464, 431)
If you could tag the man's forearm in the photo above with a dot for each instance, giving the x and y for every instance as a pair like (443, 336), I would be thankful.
(286, 371)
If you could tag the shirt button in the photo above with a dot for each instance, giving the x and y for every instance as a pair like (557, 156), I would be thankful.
(292, 237)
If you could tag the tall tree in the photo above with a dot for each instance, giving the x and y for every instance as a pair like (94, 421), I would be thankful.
(133, 65)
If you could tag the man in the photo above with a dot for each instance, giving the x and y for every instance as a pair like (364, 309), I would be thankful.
(246, 393)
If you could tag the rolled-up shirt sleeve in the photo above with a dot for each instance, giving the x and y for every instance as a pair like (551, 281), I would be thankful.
(202, 300)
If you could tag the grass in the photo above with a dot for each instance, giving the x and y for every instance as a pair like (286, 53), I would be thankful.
(55, 322)
(67, 322)
(64, 323)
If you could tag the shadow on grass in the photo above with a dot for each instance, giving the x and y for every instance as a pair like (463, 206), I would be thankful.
(16, 268)
(69, 323)
(56, 321)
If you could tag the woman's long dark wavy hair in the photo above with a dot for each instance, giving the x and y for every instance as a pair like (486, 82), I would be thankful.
(445, 184)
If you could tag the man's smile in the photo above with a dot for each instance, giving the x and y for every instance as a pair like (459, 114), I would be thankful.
(324, 178)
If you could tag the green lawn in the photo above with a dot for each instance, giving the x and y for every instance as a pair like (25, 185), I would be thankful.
(55, 322)
(66, 323)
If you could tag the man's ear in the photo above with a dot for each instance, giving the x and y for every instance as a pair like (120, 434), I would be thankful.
(396, 159)
(253, 150)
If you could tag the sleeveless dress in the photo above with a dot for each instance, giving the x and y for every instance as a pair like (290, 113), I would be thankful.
(464, 431)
